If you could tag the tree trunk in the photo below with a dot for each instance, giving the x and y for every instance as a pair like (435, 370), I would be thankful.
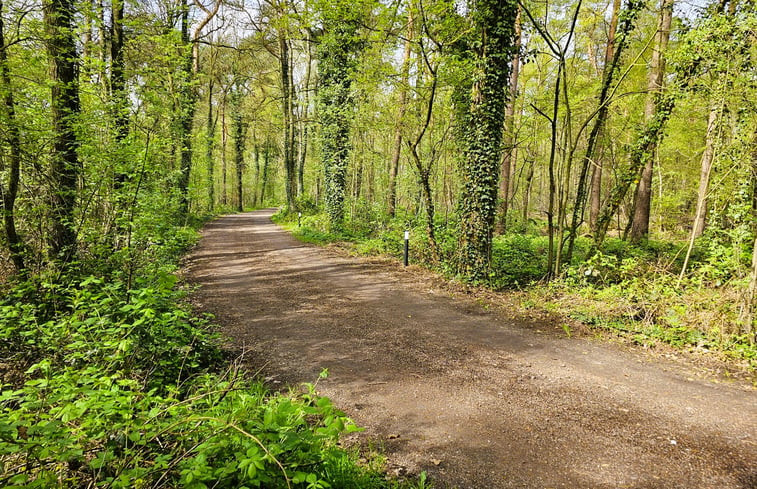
(224, 141)
(527, 193)
(13, 140)
(480, 119)
(186, 112)
(239, 139)
(595, 197)
(508, 158)
(210, 130)
(704, 177)
(396, 152)
(305, 116)
(643, 198)
(266, 161)
(188, 96)
(65, 107)
(627, 26)
(286, 107)
(338, 50)
(118, 97)
(256, 182)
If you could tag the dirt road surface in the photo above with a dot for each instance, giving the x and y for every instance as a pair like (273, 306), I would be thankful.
(474, 397)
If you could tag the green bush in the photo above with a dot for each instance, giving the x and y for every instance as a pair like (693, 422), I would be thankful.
(518, 260)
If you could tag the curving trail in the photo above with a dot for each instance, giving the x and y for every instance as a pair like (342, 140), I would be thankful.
(475, 398)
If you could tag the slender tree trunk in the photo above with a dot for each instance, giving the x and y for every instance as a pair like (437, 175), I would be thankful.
(118, 96)
(13, 140)
(256, 182)
(404, 81)
(286, 107)
(527, 192)
(239, 140)
(266, 161)
(643, 198)
(186, 112)
(627, 26)
(704, 177)
(209, 138)
(704, 184)
(188, 96)
(595, 197)
(224, 141)
(305, 116)
(65, 108)
(508, 157)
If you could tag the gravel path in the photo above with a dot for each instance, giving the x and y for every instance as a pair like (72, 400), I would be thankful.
(472, 396)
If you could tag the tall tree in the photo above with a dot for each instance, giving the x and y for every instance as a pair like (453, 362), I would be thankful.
(190, 66)
(595, 197)
(627, 25)
(643, 197)
(65, 108)
(480, 108)
(240, 128)
(508, 156)
(339, 46)
(9, 189)
(394, 164)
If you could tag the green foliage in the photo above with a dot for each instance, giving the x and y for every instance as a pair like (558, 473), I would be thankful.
(107, 385)
(518, 260)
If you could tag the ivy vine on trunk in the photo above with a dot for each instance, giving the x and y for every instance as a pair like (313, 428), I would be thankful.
(480, 112)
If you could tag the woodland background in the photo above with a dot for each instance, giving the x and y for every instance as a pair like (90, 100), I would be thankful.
(596, 159)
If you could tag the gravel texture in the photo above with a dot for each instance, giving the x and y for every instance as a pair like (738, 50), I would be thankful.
(477, 397)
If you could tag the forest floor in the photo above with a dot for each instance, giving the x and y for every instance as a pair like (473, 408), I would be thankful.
(475, 396)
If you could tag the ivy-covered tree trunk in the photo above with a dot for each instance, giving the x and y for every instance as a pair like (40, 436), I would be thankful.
(9, 189)
(65, 108)
(480, 119)
(239, 144)
(338, 49)
(210, 129)
(186, 109)
(287, 87)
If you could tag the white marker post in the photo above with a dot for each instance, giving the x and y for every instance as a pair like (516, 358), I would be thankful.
(299, 219)
(407, 247)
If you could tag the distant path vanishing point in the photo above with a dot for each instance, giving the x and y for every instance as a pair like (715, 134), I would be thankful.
(475, 398)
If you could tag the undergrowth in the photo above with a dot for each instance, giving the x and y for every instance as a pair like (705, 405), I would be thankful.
(109, 385)
(633, 291)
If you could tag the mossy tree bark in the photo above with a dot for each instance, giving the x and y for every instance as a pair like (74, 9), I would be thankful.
(480, 112)
(339, 46)
(65, 107)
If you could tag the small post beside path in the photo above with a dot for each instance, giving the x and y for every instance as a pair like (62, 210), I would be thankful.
(407, 247)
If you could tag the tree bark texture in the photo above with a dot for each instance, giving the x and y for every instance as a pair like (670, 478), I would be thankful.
(290, 183)
(239, 144)
(480, 124)
(643, 198)
(65, 108)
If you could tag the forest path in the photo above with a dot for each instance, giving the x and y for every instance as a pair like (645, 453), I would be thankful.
(476, 399)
